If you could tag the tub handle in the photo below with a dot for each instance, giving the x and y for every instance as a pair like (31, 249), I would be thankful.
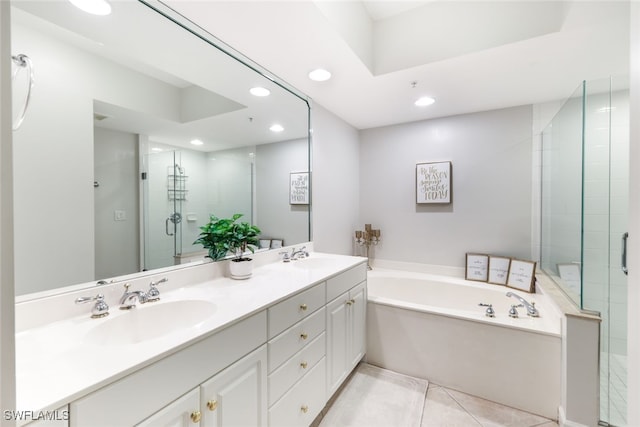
(489, 312)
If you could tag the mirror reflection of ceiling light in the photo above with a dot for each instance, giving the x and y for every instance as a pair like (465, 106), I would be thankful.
(276, 128)
(259, 91)
(156, 149)
(94, 7)
(196, 142)
(425, 101)
(320, 75)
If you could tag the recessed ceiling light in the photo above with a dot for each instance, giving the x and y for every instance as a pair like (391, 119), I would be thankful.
(196, 142)
(259, 91)
(425, 101)
(94, 7)
(276, 128)
(320, 75)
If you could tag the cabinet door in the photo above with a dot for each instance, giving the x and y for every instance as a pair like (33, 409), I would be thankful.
(184, 412)
(237, 396)
(337, 344)
(357, 323)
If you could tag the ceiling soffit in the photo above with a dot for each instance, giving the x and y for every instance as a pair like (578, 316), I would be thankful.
(420, 33)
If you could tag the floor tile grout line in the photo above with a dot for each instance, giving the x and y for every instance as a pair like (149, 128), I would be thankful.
(446, 390)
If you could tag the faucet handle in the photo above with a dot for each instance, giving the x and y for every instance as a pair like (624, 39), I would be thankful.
(489, 312)
(154, 294)
(100, 308)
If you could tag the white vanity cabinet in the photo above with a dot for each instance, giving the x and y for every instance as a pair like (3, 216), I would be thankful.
(162, 385)
(346, 323)
(237, 396)
(297, 358)
(183, 412)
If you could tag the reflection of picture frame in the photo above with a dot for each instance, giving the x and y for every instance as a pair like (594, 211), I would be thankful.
(264, 243)
(499, 270)
(299, 188)
(276, 243)
(570, 275)
(477, 267)
(522, 275)
(433, 182)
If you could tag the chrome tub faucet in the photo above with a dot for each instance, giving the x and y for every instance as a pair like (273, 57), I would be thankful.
(531, 307)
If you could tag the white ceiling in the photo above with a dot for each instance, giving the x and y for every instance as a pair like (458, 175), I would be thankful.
(470, 56)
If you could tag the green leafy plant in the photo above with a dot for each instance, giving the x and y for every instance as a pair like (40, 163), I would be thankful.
(223, 235)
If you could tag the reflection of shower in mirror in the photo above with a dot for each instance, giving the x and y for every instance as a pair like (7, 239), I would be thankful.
(179, 169)
(23, 61)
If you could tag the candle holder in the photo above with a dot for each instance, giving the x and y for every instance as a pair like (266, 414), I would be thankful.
(367, 238)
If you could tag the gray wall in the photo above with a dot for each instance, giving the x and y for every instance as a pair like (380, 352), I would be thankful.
(490, 211)
(336, 185)
(275, 217)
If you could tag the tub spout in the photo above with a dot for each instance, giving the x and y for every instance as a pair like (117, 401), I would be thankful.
(531, 307)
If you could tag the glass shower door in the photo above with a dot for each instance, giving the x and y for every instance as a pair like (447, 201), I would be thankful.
(164, 190)
(605, 222)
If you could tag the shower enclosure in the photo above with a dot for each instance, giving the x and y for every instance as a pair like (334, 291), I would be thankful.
(180, 187)
(585, 170)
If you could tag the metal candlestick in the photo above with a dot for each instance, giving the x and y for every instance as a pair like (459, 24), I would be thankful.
(367, 238)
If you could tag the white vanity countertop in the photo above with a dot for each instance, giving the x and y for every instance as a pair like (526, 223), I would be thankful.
(65, 360)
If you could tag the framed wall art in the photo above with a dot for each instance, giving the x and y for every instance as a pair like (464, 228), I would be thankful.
(299, 188)
(433, 182)
(499, 269)
(477, 267)
(522, 275)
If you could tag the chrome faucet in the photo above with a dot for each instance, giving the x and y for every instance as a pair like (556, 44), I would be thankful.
(531, 307)
(127, 300)
(298, 253)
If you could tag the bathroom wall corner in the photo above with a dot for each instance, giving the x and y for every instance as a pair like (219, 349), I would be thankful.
(335, 181)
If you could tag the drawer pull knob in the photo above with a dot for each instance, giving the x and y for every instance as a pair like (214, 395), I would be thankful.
(304, 336)
(350, 302)
(304, 408)
(212, 405)
(304, 365)
(303, 307)
(196, 416)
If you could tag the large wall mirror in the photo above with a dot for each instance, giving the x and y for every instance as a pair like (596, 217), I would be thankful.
(139, 127)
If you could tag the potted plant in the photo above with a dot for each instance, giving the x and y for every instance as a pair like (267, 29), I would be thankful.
(222, 236)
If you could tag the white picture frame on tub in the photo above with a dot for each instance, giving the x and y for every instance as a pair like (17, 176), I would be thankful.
(499, 269)
(477, 267)
(522, 275)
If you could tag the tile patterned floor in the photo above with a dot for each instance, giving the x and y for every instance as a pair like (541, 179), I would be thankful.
(449, 408)
(443, 407)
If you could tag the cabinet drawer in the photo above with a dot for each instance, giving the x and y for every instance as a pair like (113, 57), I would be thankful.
(295, 368)
(295, 338)
(294, 309)
(303, 402)
(344, 281)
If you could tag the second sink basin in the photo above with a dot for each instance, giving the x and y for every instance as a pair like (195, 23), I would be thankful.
(149, 321)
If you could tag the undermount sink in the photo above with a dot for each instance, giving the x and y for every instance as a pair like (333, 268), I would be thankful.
(313, 263)
(149, 321)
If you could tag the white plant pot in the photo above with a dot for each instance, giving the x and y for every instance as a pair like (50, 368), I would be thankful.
(241, 269)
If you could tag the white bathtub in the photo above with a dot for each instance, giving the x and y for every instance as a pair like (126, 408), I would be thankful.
(432, 327)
